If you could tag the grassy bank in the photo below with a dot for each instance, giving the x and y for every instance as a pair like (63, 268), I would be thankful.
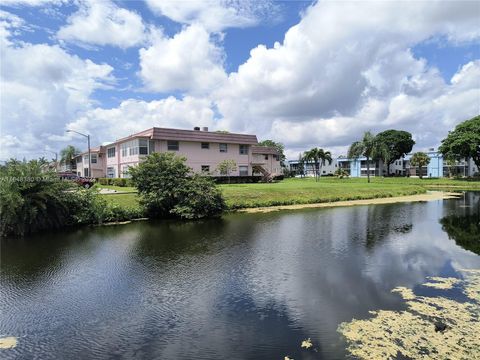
(307, 191)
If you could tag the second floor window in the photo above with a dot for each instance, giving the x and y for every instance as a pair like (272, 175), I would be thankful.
(94, 158)
(205, 145)
(243, 149)
(111, 152)
(223, 147)
(143, 146)
(172, 145)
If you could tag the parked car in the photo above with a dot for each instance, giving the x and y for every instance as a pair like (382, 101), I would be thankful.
(85, 182)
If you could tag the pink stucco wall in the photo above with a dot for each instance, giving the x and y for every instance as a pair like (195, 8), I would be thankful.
(196, 157)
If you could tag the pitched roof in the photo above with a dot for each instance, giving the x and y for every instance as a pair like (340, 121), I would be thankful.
(193, 135)
(264, 150)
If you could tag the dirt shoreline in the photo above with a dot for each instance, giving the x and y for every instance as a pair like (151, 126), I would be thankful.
(428, 196)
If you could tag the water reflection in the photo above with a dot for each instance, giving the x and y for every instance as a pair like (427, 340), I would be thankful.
(463, 225)
(242, 287)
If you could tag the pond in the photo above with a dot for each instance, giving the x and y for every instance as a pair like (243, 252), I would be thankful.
(247, 286)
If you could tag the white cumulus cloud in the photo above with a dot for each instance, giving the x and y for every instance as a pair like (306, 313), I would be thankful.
(103, 23)
(189, 61)
(42, 87)
(348, 67)
(216, 15)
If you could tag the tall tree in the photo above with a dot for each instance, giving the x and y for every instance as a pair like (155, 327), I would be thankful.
(464, 141)
(369, 147)
(420, 159)
(398, 144)
(68, 154)
(278, 146)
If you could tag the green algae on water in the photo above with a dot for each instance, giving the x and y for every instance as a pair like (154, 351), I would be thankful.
(411, 333)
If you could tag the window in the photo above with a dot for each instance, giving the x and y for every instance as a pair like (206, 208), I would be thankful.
(205, 145)
(243, 170)
(85, 158)
(143, 146)
(206, 168)
(151, 146)
(111, 152)
(266, 156)
(223, 147)
(85, 171)
(94, 158)
(243, 149)
(124, 147)
(276, 157)
(172, 145)
(110, 172)
(132, 150)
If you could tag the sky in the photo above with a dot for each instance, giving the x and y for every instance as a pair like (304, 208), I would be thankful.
(304, 73)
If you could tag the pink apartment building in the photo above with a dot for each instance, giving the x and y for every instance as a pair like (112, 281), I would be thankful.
(203, 149)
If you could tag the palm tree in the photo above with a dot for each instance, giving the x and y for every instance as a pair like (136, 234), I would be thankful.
(420, 159)
(318, 156)
(307, 158)
(68, 154)
(369, 147)
(323, 156)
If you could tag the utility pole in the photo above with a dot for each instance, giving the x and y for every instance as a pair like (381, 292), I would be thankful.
(89, 154)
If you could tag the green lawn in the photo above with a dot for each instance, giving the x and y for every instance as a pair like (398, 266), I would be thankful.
(307, 191)
(126, 200)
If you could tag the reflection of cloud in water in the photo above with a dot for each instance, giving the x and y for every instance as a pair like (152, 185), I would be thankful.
(324, 267)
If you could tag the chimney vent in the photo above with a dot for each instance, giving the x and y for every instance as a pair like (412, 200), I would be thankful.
(196, 128)
(205, 128)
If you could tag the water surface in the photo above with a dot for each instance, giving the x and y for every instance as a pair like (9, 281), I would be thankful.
(248, 286)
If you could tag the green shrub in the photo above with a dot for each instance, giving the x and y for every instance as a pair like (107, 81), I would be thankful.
(199, 198)
(166, 189)
(32, 200)
(129, 183)
(103, 181)
(119, 182)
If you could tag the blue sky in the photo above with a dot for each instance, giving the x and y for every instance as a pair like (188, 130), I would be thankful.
(111, 68)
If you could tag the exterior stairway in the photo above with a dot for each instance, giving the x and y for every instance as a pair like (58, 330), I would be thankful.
(266, 176)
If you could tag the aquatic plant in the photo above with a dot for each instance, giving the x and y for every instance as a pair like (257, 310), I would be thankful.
(430, 328)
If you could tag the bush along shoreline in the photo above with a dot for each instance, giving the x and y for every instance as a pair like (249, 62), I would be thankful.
(34, 200)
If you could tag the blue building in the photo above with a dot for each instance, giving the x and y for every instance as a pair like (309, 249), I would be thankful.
(436, 168)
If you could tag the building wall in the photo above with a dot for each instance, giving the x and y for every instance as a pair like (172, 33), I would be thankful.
(195, 155)
(98, 168)
(198, 157)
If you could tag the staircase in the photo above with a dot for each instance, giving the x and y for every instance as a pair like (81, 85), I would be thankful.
(266, 176)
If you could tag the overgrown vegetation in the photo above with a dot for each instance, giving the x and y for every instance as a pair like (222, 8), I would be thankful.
(32, 200)
(167, 188)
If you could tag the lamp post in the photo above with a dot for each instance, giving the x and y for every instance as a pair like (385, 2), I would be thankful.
(89, 155)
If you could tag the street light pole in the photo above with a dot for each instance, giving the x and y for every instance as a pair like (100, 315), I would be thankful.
(89, 155)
